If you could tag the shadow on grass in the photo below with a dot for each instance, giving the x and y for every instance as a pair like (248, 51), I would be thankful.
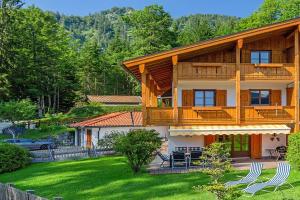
(103, 178)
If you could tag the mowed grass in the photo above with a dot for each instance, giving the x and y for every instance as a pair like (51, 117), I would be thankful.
(111, 178)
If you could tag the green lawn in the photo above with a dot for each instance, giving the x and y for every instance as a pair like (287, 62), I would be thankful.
(110, 178)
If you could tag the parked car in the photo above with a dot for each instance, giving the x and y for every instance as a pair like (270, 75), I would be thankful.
(31, 144)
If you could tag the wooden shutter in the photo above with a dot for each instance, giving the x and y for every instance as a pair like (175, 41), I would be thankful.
(290, 101)
(187, 98)
(256, 143)
(245, 97)
(209, 139)
(221, 97)
(276, 97)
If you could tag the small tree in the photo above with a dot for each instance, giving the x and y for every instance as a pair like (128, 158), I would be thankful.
(17, 110)
(138, 146)
(217, 155)
(293, 152)
(109, 140)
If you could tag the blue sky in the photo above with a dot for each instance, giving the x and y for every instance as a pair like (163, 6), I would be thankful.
(176, 8)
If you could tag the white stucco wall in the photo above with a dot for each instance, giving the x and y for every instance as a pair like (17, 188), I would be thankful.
(99, 133)
(230, 87)
(267, 143)
(213, 85)
(182, 141)
(247, 85)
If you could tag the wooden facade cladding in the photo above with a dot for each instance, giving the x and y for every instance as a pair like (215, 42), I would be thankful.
(227, 71)
(225, 60)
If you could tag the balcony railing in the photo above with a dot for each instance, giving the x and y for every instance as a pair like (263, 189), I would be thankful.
(271, 71)
(265, 114)
(206, 115)
(206, 71)
(156, 116)
(220, 115)
(227, 71)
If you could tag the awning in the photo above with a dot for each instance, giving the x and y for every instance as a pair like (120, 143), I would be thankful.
(228, 130)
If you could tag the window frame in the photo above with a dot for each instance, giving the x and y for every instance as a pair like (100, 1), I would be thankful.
(205, 90)
(259, 57)
(259, 97)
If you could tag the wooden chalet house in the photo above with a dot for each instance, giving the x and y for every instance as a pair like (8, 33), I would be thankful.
(242, 88)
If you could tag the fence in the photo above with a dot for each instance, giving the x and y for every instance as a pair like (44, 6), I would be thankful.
(8, 192)
(67, 153)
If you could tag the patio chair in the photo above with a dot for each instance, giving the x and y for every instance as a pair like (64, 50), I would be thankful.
(181, 149)
(163, 157)
(281, 150)
(280, 178)
(195, 156)
(180, 158)
(251, 177)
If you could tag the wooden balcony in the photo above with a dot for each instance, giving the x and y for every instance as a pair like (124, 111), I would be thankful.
(160, 116)
(206, 115)
(206, 71)
(227, 71)
(268, 114)
(220, 115)
(272, 71)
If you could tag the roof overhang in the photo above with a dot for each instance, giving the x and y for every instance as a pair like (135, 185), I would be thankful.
(228, 130)
(159, 65)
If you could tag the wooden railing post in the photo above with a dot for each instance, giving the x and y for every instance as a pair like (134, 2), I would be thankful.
(296, 81)
(239, 45)
(143, 71)
(175, 89)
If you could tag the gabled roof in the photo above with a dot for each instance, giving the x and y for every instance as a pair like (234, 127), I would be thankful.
(115, 99)
(159, 64)
(117, 119)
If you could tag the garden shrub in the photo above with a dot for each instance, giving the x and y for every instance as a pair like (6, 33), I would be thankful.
(138, 146)
(217, 155)
(293, 151)
(109, 140)
(12, 157)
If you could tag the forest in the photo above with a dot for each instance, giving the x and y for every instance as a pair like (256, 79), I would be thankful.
(56, 60)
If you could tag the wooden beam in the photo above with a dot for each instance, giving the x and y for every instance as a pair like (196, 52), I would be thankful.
(238, 82)
(147, 90)
(151, 97)
(175, 60)
(240, 43)
(175, 92)
(296, 81)
(142, 68)
(144, 109)
(290, 35)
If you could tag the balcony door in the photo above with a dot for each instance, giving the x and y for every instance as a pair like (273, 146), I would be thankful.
(240, 145)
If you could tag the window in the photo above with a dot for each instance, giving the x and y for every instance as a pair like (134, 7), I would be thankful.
(260, 97)
(204, 98)
(260, 57)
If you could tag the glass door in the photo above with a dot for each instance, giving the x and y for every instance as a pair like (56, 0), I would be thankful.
(241, 146)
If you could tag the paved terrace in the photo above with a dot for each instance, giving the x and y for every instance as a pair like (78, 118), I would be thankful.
(239, 164)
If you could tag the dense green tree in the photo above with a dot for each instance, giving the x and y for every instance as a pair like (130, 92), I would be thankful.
(150, 30)
(14, 111)
(7, 17)
(44, 68)
(195, 28)
(271, 11)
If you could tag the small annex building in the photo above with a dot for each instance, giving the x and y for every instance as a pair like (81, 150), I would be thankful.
(90, 131)
(113, 100)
